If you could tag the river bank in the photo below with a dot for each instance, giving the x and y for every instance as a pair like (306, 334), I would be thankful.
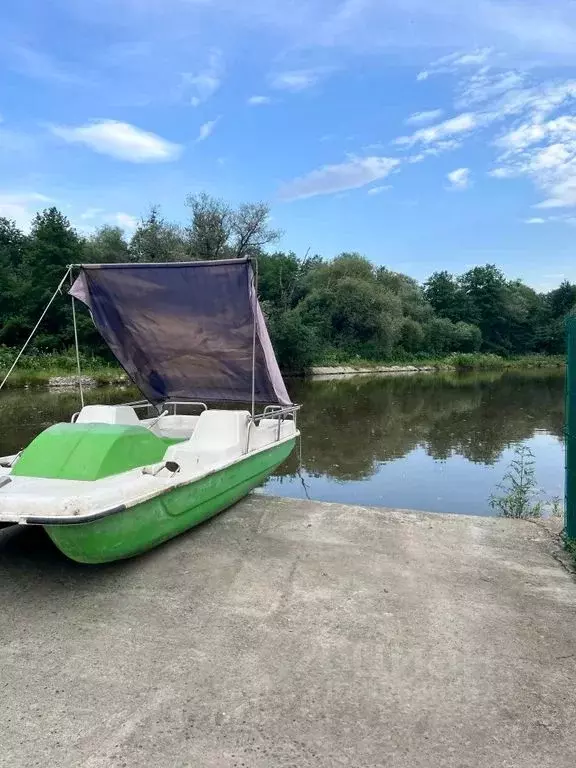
(59, 370)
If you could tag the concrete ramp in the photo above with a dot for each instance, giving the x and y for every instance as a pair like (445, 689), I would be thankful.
(289, 633)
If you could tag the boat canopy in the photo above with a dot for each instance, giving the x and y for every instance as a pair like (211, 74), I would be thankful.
(186, 330)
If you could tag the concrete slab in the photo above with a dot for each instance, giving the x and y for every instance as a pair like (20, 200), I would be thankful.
(288, 633)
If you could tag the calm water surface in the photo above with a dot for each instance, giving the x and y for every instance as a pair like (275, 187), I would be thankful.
(433, 442)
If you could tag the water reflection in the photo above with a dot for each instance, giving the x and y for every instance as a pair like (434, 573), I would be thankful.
(414, 441)
(438, 442)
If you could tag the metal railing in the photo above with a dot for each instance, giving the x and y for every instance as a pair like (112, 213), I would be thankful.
(279, 412)
(139, 405)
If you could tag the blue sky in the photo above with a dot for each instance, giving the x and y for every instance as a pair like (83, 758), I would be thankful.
(426, 135)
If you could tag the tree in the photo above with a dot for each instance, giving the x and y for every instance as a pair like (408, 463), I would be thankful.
(411, 337)
(439, 336)
(211, 229)
(12, 246)
(296, 344)
(218, 231)
(467, 337)
(446, 296)
(490, 307)
(278, 276)
(250, 230)
(51, 246)
(563, 299)
(156, 240)
(107, 246)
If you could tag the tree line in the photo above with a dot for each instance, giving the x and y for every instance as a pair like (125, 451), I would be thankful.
(318, 310)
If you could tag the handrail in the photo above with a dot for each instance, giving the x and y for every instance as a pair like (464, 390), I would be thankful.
(278, 412)
(270, 414)
(139, 404)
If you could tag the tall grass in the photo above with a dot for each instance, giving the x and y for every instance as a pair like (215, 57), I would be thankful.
(37, 367)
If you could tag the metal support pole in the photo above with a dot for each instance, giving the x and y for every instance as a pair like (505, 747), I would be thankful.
(28, 340)
(77, 347)
(570, 431)
(254, 317)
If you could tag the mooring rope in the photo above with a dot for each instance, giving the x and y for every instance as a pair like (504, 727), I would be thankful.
(28, 340)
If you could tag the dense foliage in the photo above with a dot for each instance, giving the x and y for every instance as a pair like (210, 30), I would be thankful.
(318, 310)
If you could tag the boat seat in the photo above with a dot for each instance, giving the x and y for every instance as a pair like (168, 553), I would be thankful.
(219, 436)
(108, 414)
(178, 426)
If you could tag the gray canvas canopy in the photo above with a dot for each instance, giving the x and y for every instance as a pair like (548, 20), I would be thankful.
(186, 331)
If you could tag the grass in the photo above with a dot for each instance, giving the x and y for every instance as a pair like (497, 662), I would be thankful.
(36, 368)
(470, 361)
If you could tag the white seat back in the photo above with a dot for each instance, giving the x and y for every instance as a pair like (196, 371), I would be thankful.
(108, 414)
(219, 436)
(220, 429)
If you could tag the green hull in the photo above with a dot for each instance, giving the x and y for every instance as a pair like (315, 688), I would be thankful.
(144, 526)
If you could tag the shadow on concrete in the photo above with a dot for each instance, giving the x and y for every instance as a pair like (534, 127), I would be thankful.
(28, 557)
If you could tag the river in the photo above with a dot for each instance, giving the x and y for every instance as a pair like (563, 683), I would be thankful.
(436, 442)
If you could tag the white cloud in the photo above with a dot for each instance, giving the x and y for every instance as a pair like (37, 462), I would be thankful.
(256, 101)
(463, 123)
(122, 141)
(488, 84)
(20, 207)
(379, 190)
(296, 80)
(355, 172)
(92, 218)
(535, 220)
(124, 220)
(207, 129)
(545, 152)
(200, 86)
(501, 173)
(420, 118)
(541, 146)
(459, 179)
(455, 61)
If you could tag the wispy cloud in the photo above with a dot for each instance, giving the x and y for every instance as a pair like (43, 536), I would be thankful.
(296, 80)
(535, 220)
(257, 101)
(459, 179)
(41, 66)
(540, 143)
(354, 173)
(199, 86)
(461, 124)
(122, 141)
(546, 153)
(378, 190)
(488, 84)
(207, 129)
(455, 61)
(421, 118)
